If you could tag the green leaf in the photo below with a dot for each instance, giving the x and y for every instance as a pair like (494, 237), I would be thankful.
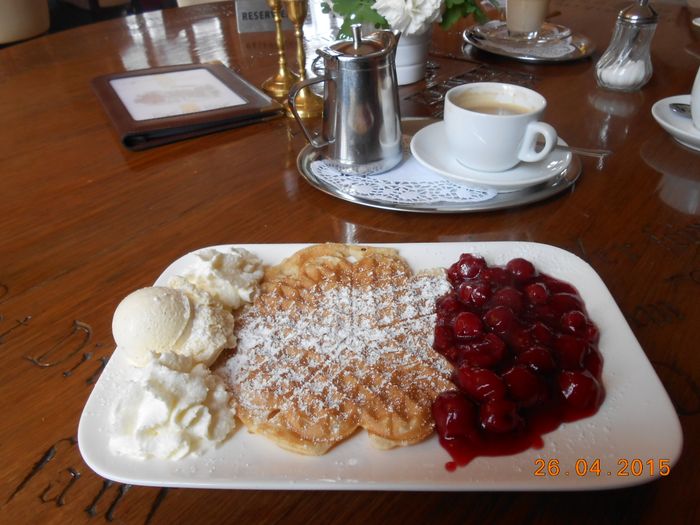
(449, 17)
(357, 12)
(456, 9)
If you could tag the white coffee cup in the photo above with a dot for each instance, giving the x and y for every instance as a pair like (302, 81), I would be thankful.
(492, 126)
(695, 101)
(524, 18)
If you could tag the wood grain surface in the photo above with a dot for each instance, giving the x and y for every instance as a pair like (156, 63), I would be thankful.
(83, 222)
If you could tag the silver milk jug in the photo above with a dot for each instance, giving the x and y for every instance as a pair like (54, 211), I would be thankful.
(361, 119)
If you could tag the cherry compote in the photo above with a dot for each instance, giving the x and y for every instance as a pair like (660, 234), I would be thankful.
(525, 357)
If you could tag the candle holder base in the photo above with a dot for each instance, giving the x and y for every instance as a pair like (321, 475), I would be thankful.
(278, 86)
(308, 104)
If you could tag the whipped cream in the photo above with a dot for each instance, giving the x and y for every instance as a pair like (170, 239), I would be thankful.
(172, 408)
(211, 326)
(231, 277)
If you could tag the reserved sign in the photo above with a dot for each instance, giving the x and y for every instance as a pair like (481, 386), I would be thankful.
(253, 16)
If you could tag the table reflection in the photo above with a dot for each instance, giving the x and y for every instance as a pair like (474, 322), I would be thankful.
(679, 186)
(609, 125)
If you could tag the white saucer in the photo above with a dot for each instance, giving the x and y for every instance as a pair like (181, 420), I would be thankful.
(429, 147)
(681, 128)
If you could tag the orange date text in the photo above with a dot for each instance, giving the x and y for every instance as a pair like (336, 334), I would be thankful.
(582, 467)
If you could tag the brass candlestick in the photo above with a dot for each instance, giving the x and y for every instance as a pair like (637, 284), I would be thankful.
(277, 86)
(308, 103)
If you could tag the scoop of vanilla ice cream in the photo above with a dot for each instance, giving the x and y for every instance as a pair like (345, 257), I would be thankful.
(211, 329)
(180, 319)
(150, 320)
(173, 407)
(231, 277)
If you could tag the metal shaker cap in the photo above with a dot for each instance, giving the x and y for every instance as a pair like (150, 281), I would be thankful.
(639, 13)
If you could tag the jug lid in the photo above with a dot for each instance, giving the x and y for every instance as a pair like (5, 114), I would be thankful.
(375, 45)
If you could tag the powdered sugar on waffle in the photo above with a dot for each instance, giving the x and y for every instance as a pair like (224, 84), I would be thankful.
(341, 346)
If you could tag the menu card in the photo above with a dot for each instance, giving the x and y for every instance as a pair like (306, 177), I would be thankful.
(151, 107)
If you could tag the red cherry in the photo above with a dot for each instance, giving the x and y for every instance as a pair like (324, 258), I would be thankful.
(499, 318)
(541, 333)
(485, 353)
(443, 338)
(480, 294)
(474, 293)
(472, 261)
(499, 416)
(537, 293)
(454, 274)
(468, 267)
(464, 292)
(451, 353)
(570, 352)
(521, 269)
(468, 325)
(447, 305)
(454, 415)
(479, 384)
(592, 333)
(593, 362)
(524, 386)
(520, 339)
(557, 286)
(493, 345)
(508, 296)
(538, 358)
(574, 322)
(565, 302)
(495, 276)
(580, 389)
(546, 314)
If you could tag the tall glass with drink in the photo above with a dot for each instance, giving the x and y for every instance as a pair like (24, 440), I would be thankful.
(524, 18)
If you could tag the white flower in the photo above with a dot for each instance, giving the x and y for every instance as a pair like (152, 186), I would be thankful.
(411, 17)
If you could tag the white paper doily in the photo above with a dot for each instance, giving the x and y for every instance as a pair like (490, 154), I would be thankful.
(407, 183)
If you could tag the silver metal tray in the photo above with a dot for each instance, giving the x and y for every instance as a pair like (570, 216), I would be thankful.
(497, 31)
(582, 47)
(553, 186)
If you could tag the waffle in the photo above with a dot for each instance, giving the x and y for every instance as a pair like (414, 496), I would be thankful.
(339, 338)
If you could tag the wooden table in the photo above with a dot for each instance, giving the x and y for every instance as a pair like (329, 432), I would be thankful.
(83, 222)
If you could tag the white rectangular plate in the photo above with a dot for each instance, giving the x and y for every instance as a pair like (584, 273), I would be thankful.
(636, 421)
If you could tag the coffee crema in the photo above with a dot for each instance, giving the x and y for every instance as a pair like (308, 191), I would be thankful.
(488, 105)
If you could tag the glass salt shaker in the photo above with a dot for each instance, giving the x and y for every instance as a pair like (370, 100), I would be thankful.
(626, 64)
